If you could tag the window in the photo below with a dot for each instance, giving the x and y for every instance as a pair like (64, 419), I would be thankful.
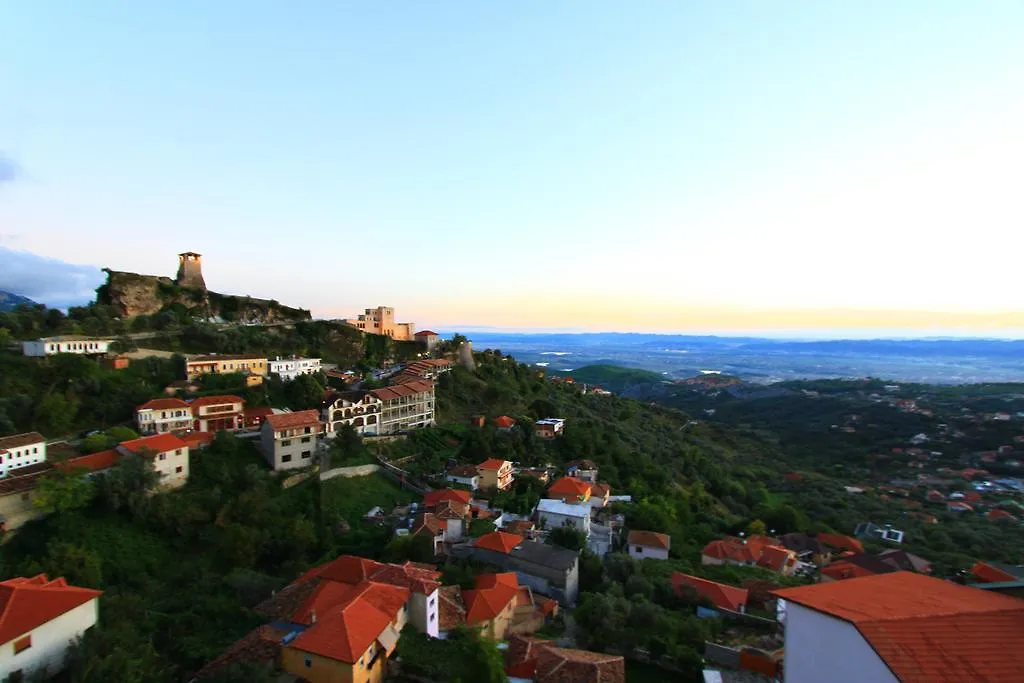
(307, 431)
(163, 456)
(178, 469)
(431, 601)
(432, 616)
(23, 644)
(177, 452)
(306, 439)
(307, 454)
(286, 458)
(309, 662)
(286, 442)
(639, 549)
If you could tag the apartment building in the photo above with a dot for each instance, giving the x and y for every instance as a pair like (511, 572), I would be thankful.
(289, 440)
(361, 410)
(218, 413)
(406, 406)
(226, 364)
(166, 452)
(21, 450)
(163, 416)
(381, 320)
(51, 346)
(290, 368)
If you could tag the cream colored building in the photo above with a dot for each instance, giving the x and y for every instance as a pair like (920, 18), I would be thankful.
(289, 440)
(381, 320)
(406, 406)
(218, 364)
(167, 453)
(359, 409)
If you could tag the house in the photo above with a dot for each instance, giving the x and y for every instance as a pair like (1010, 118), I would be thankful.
(570, 490)
(841, 542)
(197, 366)
(756, 550)
(872, 530)
(540, 661)
(21, 450)
(490, 605)
(1000, 516)
(254, 417)
(426, 368)
(495, 474)
(432, 499)
(116, 362)
(905, 561)
(852, 566)
(719, 594)
(997, 572)
(218, 413)
(446, 521)
(381, 320)
(600, 494)
(807, 548)
(40, 620)
(478, 421)
(428, 338)
(163, 416)
(957, 506)
(648, 545)
(934, 496)
(546, 569)
(360, 410)
(167, 453)
(51, 346)
(900, 627)
(538, 473)
(289, 440)
(90, 464)
(552, 514)
(549, 427)
(466, 475)
(341, 621)
(406, 406)
(504, 423)
(17, 493)
(584, 470)
(293, 366)
(197, 440)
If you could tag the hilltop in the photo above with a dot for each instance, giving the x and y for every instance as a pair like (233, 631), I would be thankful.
(9, 301)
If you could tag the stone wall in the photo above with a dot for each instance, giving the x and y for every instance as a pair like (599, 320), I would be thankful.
(355, 471)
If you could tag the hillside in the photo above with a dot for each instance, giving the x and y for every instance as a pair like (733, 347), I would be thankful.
(8, 301)
(614, 378)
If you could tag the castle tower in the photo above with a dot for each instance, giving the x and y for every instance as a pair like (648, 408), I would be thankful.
(190, 270)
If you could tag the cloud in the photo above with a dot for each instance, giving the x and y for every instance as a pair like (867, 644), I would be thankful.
(57, 284)
(9, 171)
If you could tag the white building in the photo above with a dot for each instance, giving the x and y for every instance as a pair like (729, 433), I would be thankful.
(359, 409)
(466, 475)
(21, 450)
(648, 545)
(39, 621)
(167, 453)
(289, 440)
(549, 427)
(554, 513)
(406, 406)
(290, 368)
(50, 346)
(163, 415)
(899, 627)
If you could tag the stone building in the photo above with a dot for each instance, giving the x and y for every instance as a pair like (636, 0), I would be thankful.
(190, 270)
(381, 320)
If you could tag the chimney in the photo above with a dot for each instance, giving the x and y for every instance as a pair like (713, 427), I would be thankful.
(312, 616)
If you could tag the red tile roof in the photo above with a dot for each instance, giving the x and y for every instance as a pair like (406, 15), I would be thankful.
(499, 542)
(570, 487)
(650, 539)
(406, 389)
(1000, 515)
(989, 574)
(492, 595)
(432, 498)
(840, 542)
(730, 549)
(94, 462)
(427, 333)
(776, 558)
(926, 630)
(159, 443)
(198, 439)
(451, 608)
(493, 464)
(721, 595)
(301, 418)
(344, 634)
(27, 603)
(163, 404)
(846, 570)
(216, 400)
(504, 422)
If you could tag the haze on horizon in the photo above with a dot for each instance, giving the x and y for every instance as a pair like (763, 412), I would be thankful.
(658, 166)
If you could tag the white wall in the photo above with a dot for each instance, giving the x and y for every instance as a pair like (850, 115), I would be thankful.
(641, 552)
(50, 641)
(167, 467)
(471, 482)
(424, 614)
(22, 456)
(823, 648)
(553, 520)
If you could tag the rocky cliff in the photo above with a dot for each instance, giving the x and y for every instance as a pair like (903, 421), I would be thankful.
(133, 294)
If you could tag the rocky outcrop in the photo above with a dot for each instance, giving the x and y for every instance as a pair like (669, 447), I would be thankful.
(133, 295)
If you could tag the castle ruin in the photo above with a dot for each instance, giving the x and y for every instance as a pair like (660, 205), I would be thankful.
(190, 270)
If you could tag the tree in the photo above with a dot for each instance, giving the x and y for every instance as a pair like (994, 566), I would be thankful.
(55, 414)
(126, 485)
(757, 528)
(62, 492)
(479, 527)
(567, 537)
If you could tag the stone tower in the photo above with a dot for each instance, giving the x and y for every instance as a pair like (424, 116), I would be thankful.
(466, 356)
(190, 270)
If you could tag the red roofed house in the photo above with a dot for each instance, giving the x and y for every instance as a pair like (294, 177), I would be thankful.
(289, 440)
(39, 621)
(756, 550)
(840, 542)
(428, 338)
(900, 628)
(570, 490)
(504, 423)
(163, 415)
(466, 475)
(499, 542)
(254, 416)
(1000, 516)
(721, 595)
(432, 498)
(540, 661)
(495, 474)
(491, 604)
(90, 464)
(997, 572)
(648, 544)
(166, 452)
(217, 413)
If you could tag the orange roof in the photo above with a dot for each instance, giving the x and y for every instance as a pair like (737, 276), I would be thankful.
(301, 418)
(570, 486)
(159, 443)
(989, 574)
(650, 539)
(432, 498)
(163, 404)
(216, 400)
(427, 333)
(344, 634)
(499, 542)
(846, 570)
(504, 421)
(841, 542)
(406, 389)
(198, 439)
(776, 558)
(729, 549)
(492, 595)
(94, 462)
(999, 514)
(493, 464)
(26, 603)
(721, 595)
(926, 629)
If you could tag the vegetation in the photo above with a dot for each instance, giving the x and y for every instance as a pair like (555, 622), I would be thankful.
(463, 657)
(614, 378)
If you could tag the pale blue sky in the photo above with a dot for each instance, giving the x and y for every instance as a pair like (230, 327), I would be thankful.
(611, 165)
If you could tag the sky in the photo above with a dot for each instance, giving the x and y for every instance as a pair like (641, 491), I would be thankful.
(659, 166)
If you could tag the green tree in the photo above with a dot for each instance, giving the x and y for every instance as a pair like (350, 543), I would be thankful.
(62, 492)
(567, 537)
(479, 527)
(55, 414)
(757, 528)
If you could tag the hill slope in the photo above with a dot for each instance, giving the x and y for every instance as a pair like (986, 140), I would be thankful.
(9, 301)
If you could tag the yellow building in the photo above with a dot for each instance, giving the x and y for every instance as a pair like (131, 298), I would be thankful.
(218, 364)
(381, 320)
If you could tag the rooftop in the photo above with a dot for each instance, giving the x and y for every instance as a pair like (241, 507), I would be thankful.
(401, 390)
(301, 418)
(570, 486)
(720, 594)
(164, 404)
(557, 507)
(493, 464)
(19, 440)
(499, 542)
(650, 539)
(550, 556)
(93, 462)
(158, 443)
(216, 400)
(27, 603)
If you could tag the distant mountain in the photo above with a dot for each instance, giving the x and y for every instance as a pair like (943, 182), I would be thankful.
(8, 301)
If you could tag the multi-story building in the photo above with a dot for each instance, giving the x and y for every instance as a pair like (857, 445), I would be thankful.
(163, 416)
(495, 474)
(546, 569)
(218, 413)
(549, 427)
(51, 346)
(40, 620)
(406, 406)
(290, 368)
(428, 338)
(21, 450)
(218, 364)
(289, 440)
(428, 368)
(381, 320)
(167, 453)
(552, 514)
(359, 409)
